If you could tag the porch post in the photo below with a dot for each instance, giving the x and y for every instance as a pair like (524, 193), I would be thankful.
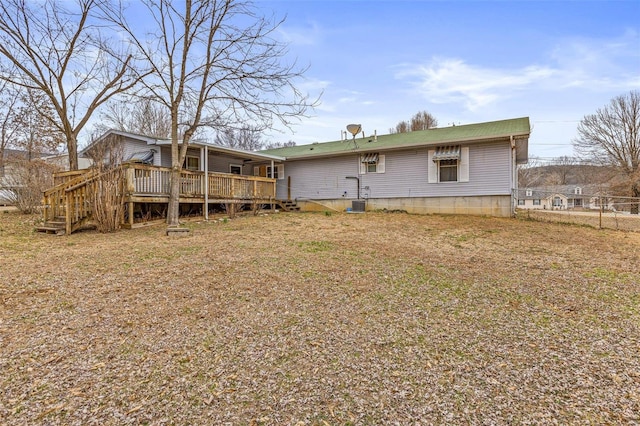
(206, 182)
(272, 171)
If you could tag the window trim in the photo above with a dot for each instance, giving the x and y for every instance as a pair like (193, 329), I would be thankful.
(192, 157)
(231, 166)
(433, 166)
(379, 163)
(267, 170)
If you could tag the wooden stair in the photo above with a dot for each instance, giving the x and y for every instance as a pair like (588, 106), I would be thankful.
(55, 226)
(289, 205)
(66, 205)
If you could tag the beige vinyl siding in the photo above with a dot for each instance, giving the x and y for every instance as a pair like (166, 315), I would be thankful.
(406, 175)
(321, 178)
(220, 163)
(165, 156)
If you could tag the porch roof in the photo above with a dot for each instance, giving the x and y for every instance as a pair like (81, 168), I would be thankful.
(248, 155)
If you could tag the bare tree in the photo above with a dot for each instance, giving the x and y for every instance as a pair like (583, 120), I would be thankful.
(26, 183)
(612, 136)
(106, 192)
(562, 169)
(9, 126)
(529, 173)
(215, 64)
(247, 139)
(60, 50)
(136, 115)
(36, 135)
(421, 121)
(274, 145)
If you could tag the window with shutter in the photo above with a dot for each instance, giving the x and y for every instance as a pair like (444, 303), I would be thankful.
(448, 164)
(372, 163)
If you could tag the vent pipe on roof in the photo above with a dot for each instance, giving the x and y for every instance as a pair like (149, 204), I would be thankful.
(375, 135)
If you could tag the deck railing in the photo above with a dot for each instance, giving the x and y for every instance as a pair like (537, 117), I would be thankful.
(144, 180)
(71, 197)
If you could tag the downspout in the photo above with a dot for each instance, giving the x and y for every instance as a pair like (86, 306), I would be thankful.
(514, 176)
(206, 182)
(358, 179)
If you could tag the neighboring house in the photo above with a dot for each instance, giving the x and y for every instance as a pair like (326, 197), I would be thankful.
(467, 169)
(62, 161)
(9, 178)
(564, 197)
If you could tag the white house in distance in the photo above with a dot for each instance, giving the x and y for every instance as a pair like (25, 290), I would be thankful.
(564, 197)
(467, 169)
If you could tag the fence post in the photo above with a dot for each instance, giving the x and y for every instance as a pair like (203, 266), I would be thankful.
(600, 198)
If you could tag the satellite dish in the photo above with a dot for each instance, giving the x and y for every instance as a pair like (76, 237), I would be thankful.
(354, 129)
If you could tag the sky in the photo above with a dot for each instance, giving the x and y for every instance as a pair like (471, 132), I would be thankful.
(379, 62)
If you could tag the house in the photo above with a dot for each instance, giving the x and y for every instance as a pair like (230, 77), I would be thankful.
(61, 161)
(565, 197)
(467, 169)
(14, 173)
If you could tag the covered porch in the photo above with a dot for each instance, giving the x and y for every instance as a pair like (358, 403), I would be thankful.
(212, 178)
(68, 205)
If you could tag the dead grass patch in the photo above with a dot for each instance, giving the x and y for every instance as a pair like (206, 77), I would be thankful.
(315, 319)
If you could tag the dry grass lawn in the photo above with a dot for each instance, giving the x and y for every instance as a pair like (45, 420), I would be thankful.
(310, 319)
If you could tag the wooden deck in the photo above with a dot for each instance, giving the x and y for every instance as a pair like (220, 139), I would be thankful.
(69, 200)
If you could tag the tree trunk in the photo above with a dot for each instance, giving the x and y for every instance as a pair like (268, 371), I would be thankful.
(173, 212)
(72, 148)
(635, 192)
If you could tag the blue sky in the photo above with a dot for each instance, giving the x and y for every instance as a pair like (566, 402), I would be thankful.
(380, 62)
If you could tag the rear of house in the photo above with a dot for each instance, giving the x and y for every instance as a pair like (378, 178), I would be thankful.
(468, 169)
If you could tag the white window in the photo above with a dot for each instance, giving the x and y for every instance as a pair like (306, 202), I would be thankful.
(520, 202)
(448, 171)
(192, 162)
(372, 163)
(529, 192)
(448, 164)
(265, 171)
(536, 202)
(278, 171)
(236, 169)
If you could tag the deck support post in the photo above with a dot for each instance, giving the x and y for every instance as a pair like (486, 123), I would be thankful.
(130, 214)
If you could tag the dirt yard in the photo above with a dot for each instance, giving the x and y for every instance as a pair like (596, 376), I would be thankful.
(314, 319)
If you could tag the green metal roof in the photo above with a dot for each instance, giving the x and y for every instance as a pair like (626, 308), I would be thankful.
(469, 133)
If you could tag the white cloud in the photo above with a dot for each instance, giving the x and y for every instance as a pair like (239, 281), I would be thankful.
(301, 35)
(447, 80)
(592, 65)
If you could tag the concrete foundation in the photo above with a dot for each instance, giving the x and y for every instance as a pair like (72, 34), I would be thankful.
(488, 205)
